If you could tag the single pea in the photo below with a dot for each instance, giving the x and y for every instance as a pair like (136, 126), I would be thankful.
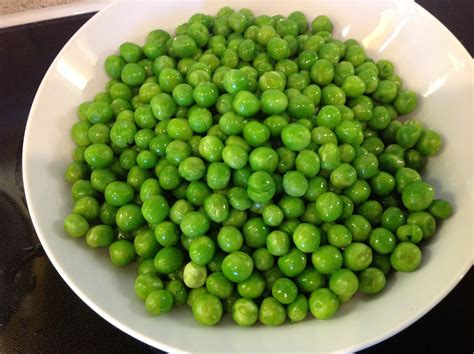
(192, 169)
(159, 302)
(301, 106)
(237, 266)
(330, 156)
(218, 175)
(210, 148)
(295, 183)
(245, 103)
(129, 217)
(410, 233)
(278, 243)
(355, 54)
(307, 237)
(406, 257)
(357, 256)
(169, 177)
(168, 260)
(308, 163)
(163, 106)
(256, 133)
(339, 236)
(253, 287)
(245, 312)
(230, 239)
(405, 102)
(292, 207)
(344, 283)
(366, 165)
(343, 176)
(178, 290)
(271, 312)
(100, 236)
(166, 234)
(75, 225)
(371, 281)
(272, 215)
(121, 252)
(408, 135)
(418, 196)
(393, 218)
(309, 280)
(274, 101)
(296, 137)
(202, 249)
(195, 224)
(207, 309)
(194, 275)
(292, 263)
(216, 207)
(263, 159)
(262, 259)
(238, 198)
(329, 206)
(414, 159)
(429, 143)
(323, 303)
(255, 232)
(440, 209)
(382, 184)
(322, 72)
(231, 123)
(382, 240)
(261, 187)
(285, 291)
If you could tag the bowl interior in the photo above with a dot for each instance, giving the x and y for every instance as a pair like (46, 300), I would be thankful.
(430, 61)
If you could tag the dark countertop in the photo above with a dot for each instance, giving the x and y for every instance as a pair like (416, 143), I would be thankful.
(40, 313)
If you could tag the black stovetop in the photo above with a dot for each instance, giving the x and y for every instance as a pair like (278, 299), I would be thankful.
(40, 313)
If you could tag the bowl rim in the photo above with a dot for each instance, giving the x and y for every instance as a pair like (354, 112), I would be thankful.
(130, 330)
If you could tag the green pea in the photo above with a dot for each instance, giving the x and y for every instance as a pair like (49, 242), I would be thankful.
(263, 159)
(292, 263)
(245, 312)
(406, 257)
(237, 266)
(121, 252)
(323, 303)
(440, 209)
(322, 72)
(216, 207)
(271, 312)
(418, 196)
(410, 233)
(195, 224)
(371, 281)
(429, 143)
(357, 256)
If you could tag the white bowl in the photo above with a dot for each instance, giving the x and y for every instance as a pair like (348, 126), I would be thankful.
(430, 61)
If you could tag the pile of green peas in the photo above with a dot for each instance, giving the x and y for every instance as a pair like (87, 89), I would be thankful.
(253, 165)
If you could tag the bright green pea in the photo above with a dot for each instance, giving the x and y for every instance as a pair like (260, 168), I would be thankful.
(323, 303)
(406, 257)
(357, 256)
(195, 224)
(418, 196)
(440, 209)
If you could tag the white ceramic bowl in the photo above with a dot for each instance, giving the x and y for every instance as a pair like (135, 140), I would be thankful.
(430, 61)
